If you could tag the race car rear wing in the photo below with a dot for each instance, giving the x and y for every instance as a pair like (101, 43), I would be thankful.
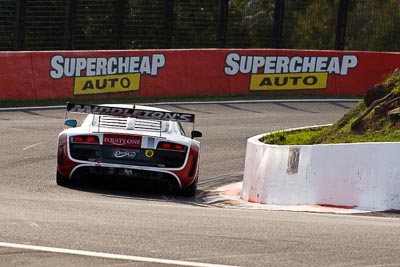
(130, 112)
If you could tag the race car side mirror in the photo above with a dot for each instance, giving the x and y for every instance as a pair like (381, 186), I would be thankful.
(70, 123)
(196, 134)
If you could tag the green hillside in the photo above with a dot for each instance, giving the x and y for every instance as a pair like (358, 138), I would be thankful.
(374, 119)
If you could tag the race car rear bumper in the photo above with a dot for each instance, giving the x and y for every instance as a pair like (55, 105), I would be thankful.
(126, 172)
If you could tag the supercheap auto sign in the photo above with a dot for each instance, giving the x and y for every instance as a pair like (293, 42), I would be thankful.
(96, 75)
(288, 72)
(189, 72)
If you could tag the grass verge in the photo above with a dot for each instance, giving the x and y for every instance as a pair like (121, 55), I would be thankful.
(373, 128)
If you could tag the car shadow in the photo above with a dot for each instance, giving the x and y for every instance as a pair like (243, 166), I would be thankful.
(127, 188)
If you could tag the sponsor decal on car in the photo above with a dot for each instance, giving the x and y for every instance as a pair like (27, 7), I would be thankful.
(96, 75)
(129, 112)
(288, 73)
(122, 140)
(124, 153)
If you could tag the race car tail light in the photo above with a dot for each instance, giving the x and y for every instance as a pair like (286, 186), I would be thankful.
(171, 146)
(86, 139)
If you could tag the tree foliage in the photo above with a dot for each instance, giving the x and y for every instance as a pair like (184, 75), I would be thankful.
(374, 26)
(250, 23)
(142, 24)
(310, 25)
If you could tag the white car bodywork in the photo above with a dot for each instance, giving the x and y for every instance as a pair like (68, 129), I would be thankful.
(129, 146)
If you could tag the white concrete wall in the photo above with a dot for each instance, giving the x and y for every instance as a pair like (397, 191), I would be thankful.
(364, 175)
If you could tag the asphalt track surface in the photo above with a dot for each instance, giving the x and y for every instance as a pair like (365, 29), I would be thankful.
(112, 223)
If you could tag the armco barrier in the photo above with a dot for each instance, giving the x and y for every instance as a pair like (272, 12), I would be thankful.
(154, 73)
(364, 175)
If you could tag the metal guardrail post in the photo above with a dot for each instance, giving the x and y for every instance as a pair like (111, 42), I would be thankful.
(168, 23)
(277, 30)
(222, 23)
(69, 23)
(341, 25)
(19, 24)
(118, 23)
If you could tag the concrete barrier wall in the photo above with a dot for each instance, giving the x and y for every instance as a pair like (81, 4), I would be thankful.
(160, 73)
(364, 175)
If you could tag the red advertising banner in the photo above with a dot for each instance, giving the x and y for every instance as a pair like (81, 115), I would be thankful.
(155, 73)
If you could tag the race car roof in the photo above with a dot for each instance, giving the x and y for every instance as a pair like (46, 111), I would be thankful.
(123, 110)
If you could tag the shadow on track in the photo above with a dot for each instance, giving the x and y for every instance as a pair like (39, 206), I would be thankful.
(128, 188)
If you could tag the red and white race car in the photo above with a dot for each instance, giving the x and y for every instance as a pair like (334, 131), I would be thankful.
(130, 141)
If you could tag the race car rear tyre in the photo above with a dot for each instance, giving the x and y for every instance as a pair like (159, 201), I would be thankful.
(62, 180)
(190, 191)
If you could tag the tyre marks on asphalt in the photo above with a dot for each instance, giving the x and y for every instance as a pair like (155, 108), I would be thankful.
(41, 115)
(189, 109)
(294, 108)
(339, 105)
(238, 108)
